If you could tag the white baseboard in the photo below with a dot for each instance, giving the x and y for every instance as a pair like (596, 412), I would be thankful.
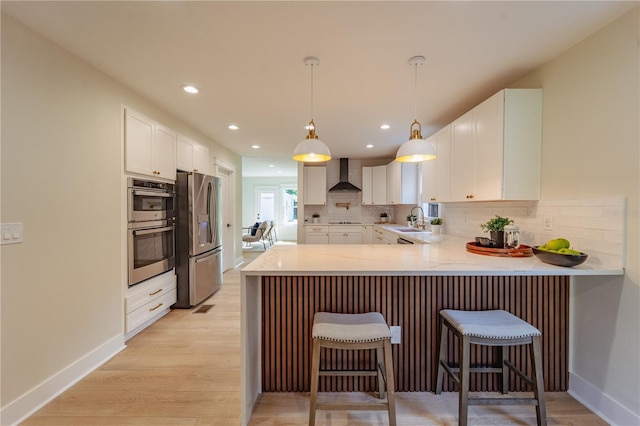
(239, 261)
(18, 410)
(600, 403)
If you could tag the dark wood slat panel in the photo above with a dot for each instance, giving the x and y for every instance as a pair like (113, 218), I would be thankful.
(412, 303)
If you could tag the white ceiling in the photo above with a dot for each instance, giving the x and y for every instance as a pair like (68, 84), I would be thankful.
(247, 58)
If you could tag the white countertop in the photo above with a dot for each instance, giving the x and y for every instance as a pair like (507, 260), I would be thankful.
(447, 256)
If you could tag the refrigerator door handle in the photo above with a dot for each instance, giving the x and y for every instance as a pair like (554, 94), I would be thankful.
(209, 206)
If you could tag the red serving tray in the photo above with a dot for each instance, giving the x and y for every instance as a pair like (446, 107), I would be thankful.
(522, 251)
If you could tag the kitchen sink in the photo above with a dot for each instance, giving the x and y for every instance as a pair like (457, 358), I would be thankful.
(409, 230)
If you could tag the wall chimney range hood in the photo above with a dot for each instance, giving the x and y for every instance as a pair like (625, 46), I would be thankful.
(344, 185)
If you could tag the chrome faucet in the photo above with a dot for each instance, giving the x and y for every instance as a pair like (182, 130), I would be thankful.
(418, 224)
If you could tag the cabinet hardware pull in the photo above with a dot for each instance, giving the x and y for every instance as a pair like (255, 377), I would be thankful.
(433, 199)
(153, 309)
(155, 292)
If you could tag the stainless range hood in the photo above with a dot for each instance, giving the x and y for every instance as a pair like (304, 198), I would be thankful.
(344, 185)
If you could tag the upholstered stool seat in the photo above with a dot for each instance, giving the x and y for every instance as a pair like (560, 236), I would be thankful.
(353, 332)
(490, 328)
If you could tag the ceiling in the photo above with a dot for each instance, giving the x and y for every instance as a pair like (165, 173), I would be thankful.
(247, 59)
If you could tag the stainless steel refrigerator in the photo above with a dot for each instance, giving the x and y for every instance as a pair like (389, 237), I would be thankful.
(198, 238)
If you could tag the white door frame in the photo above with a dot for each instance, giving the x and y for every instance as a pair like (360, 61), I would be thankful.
(226, 172)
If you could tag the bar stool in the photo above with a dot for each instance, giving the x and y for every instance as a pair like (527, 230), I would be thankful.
(491, 328)
(353, 332)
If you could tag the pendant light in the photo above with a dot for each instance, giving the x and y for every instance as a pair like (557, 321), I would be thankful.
(415, 149)
(312, 149)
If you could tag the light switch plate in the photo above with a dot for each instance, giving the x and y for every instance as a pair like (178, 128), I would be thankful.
(11, 233)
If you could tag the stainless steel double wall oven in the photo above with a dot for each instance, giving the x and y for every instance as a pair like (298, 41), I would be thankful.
(151, 229)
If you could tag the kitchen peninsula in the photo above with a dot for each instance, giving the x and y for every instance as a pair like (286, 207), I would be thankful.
(409, 285)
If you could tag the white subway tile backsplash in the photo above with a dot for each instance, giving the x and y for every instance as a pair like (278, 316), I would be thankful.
(594, 226)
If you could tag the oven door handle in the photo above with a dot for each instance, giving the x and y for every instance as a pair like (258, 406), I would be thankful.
(152, 230)
(152, 193)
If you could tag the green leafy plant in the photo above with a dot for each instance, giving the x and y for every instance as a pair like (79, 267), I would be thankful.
(315, 215)
(436, 221)
(496, 223)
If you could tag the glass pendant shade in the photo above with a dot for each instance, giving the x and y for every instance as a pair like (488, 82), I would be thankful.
(415, 149)
(312, 149)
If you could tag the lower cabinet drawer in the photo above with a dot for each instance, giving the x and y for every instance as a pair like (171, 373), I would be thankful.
(149, 310)
(143, 293)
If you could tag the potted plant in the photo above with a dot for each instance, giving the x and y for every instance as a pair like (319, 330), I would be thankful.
(436, 224)
(411, 218)
(384, 217)
(315, 217)
(495, 227)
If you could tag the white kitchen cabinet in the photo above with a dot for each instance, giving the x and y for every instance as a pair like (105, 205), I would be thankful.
(374, 185)
(402, 183)
(315, 186)
(382, 236)
(436, 174)
(146, 302)
(150, 148)
(316, 234)
(191, 156)
(496, 148)
(367, 234)
(345, 234)
(463, 154)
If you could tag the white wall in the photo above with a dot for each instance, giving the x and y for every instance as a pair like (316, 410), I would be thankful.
(591, 149)
(61, 176)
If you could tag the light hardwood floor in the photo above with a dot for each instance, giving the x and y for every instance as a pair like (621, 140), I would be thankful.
(185, 370)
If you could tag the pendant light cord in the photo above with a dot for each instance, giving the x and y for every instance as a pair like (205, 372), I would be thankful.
(312, 65)
(415, 91)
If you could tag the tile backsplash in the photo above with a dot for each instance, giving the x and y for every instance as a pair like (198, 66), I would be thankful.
(595, 226)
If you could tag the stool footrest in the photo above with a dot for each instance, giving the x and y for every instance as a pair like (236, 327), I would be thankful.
(517, 371)
(502, 401)
(348, 373)
(353, 406)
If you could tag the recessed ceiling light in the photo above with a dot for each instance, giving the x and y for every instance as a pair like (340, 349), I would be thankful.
(255, 146)
(369, 146)
(233, 127)
(271, 165)
(385, 126)
(190, 89)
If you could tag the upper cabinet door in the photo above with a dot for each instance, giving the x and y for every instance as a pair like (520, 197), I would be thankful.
(191, 156)
(379, 185)
(443, 165)
(138, 142)
(163, 153)
(150, 148)
(489, 148)
(463, 152)
(315, 185)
